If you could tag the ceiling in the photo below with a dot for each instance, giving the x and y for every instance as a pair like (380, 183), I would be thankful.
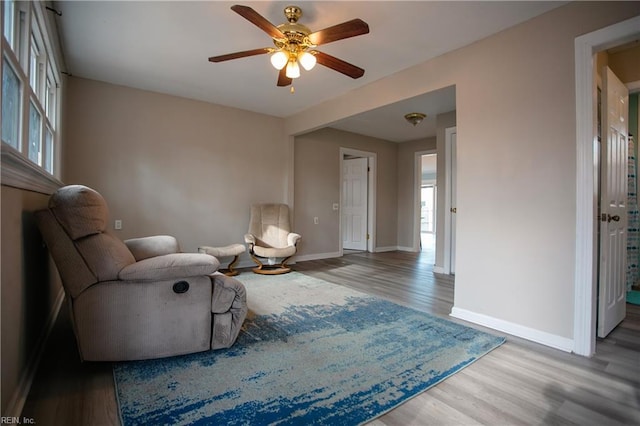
(163, 46)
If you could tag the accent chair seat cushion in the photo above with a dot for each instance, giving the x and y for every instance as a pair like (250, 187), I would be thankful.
(274, 251)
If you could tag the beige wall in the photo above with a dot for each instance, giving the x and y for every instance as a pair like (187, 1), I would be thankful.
(626, 64)
(169, 165)
(317, 187)
(30, 287)
(515, 100)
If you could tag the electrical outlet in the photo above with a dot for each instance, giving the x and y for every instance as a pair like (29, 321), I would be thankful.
(315, 220)
(336, 206)
(117, 224)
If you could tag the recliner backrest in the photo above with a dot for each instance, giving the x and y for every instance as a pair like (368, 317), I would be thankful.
(270, 224)
(74, 228)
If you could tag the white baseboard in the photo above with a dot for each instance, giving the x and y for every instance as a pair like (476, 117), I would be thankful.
(547, 339)
(317, 256)
(19, 397)
(385, 249)
(438, 269)
(409, 249)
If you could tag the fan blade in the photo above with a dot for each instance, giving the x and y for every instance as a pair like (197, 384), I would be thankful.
(283, 80)
(352, 28)
(238, 55)
(258, 20)
(338, 65)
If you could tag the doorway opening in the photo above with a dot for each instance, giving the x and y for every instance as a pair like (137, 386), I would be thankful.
(584, 332)
(428, 204)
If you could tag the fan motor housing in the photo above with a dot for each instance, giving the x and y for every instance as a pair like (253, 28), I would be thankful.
(295, 32)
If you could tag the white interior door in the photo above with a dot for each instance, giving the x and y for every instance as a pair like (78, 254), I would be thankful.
(354, 203)
(613, 202)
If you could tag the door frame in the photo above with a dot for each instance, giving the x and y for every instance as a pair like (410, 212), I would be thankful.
(586, 256)
(449, 243)
(417, 197)
(362, 190)
(371, 195)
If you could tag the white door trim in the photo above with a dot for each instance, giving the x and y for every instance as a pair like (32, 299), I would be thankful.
(584, 324)
(417, 197)
(371, 210)
(446, 264)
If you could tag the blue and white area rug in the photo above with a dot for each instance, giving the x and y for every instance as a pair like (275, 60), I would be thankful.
(310, 352)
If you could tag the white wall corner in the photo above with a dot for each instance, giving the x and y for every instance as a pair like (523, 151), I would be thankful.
(538, 336)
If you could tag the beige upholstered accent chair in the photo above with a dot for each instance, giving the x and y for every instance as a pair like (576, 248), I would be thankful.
(137, 299)
(270, 238)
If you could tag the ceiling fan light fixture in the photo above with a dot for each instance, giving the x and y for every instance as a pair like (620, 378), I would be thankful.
(279, 59)
(307, 60)
(295, 44)
(415, 117)
(293, 69)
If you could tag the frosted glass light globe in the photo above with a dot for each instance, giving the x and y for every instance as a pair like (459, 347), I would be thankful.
(279, 59)
(293, 69)
(307, 60)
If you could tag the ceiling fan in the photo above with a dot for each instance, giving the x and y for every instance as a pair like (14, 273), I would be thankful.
(295, 44)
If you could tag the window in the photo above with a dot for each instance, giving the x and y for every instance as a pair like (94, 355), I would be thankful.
(35, 126)
(50, 97)
(30, 85)
(34, 55)
(48, 151)
(427, 208)
(9, 27)
(10, 106)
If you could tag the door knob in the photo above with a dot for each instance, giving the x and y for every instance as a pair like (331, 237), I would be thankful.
(606, 217)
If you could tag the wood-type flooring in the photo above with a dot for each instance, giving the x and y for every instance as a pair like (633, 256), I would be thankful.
(520, 383)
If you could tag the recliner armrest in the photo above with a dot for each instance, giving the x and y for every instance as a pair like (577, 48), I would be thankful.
(250, 239)
(157, 245)
(229, 309)
(292, 238)
(170, 266)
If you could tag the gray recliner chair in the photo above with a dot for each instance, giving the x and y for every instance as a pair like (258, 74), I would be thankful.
(137, 299)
